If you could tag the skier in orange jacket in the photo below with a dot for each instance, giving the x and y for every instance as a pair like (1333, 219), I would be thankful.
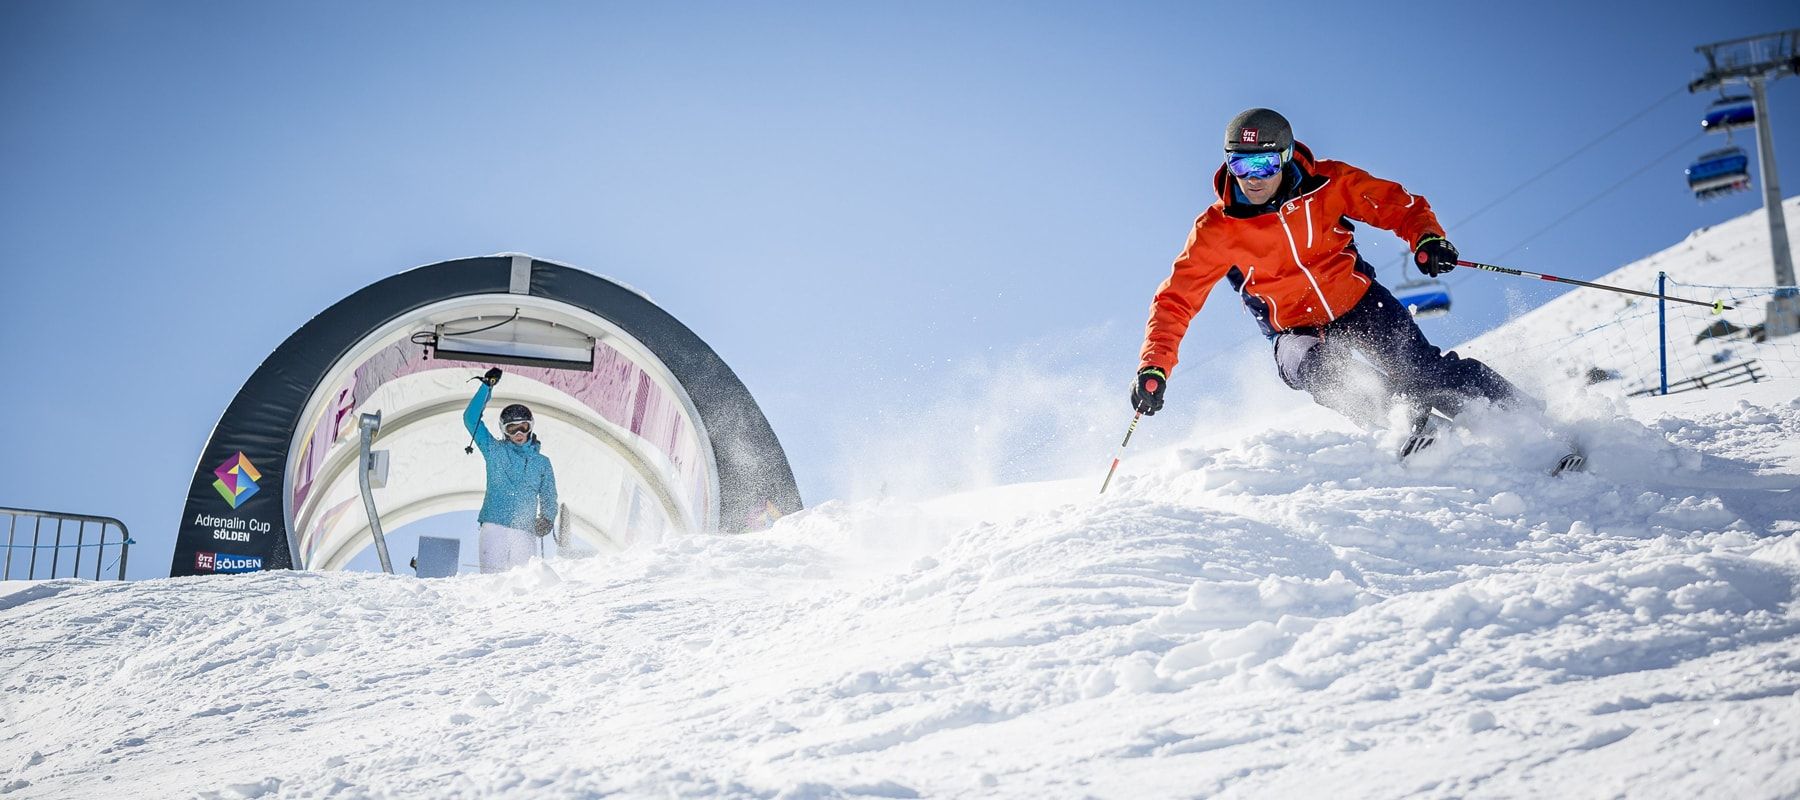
(1282, 234)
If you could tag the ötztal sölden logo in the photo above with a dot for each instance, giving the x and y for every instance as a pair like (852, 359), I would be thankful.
(237, 480)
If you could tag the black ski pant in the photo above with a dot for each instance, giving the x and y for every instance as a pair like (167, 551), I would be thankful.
(1397, 364)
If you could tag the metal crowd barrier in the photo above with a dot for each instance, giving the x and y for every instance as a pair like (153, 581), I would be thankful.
(35, 544)
(1741, 372)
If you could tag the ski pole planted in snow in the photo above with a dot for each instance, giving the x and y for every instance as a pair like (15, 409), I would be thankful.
(1121, 451)
(1716, 305)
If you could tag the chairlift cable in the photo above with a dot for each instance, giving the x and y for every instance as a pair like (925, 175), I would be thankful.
(1568, 158)
(1583, 206)
(1617, 185)
(1404, 257)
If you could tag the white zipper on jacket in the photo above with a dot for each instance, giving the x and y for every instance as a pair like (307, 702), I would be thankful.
(1309, 225)
(1302, 265)
(1247, 294)
(1251, 276)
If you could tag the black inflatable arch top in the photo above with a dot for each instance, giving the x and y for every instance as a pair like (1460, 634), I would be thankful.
(259, 426)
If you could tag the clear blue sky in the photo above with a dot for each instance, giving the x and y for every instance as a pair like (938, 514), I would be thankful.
(881, 215)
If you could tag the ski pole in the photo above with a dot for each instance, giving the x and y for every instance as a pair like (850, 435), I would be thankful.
(1716, 305)
(1120, 453)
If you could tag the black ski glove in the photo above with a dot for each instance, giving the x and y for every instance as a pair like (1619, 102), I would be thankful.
(543, 526)
(1147, 393)
(1435, 255)
(492, 377)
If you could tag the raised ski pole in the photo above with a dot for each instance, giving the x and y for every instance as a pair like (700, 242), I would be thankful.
(1120, 453)
(1716, 305)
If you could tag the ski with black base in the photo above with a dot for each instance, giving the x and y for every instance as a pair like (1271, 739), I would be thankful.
(1416, 442)
(1573, 462)
(1425, 434)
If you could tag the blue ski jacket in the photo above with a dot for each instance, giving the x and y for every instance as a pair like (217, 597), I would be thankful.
(520, 484)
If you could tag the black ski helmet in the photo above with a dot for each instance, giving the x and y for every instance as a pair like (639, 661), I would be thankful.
(1258, 130)
(516, 412)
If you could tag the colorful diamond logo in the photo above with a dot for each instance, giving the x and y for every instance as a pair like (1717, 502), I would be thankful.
(765, 519)
(237, 480)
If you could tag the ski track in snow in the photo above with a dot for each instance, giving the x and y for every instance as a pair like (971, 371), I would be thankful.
(1290, 614)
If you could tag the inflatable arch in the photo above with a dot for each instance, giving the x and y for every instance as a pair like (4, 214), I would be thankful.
(648, 429)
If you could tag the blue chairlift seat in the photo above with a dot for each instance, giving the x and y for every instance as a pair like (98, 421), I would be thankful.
(1719, 173)
(1424, 298)
(1729, 113)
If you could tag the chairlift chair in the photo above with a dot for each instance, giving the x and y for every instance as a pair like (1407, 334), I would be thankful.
(1424, 297)
(1718, 173)
(1729, 113)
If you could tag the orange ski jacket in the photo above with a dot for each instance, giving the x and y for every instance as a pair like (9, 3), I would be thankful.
(1296, 266)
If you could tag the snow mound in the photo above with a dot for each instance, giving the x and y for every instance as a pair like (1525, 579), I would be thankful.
(1288, 614)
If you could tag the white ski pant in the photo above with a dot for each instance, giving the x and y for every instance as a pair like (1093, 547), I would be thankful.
(504, 548)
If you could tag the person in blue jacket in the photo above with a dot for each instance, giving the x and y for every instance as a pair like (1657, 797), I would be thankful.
(520, 504)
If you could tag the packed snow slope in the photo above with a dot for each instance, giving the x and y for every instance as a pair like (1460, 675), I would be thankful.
(1291, 613)
(1274, 609)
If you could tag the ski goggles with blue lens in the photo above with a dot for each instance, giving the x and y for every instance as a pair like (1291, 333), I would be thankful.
(1257, 165)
